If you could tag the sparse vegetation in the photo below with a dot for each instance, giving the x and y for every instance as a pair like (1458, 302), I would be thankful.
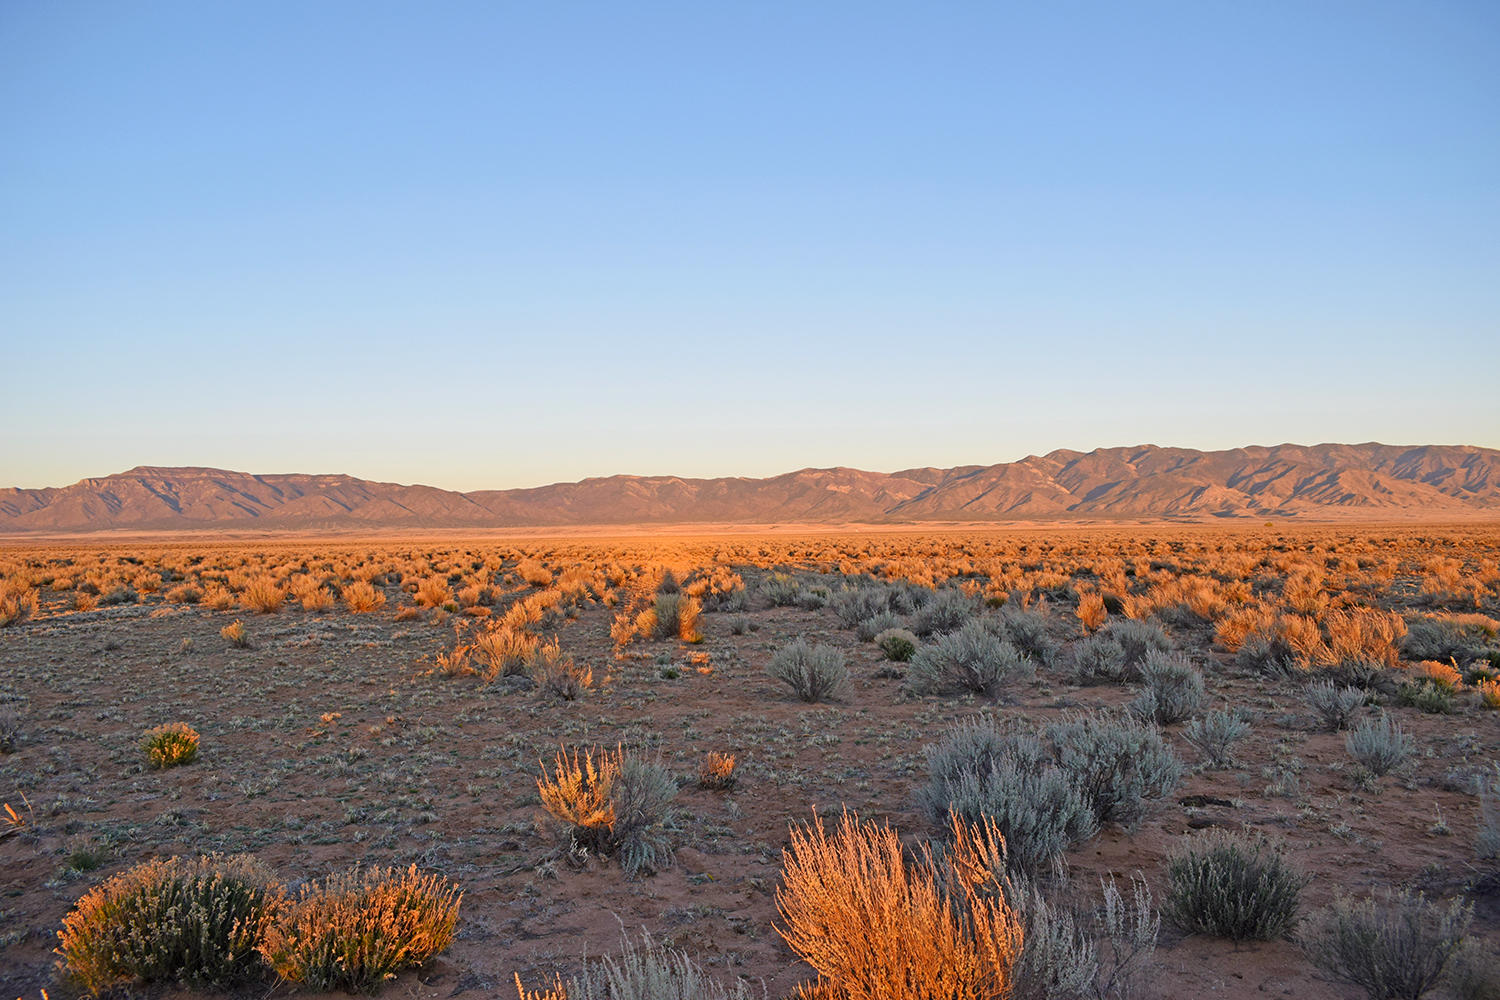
(1395, 945)
(170, 745)
(1380, 746)
(814, 673)
(1233, 886)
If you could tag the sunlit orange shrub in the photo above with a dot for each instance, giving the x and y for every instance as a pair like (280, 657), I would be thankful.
(1444, 675)
(875, 926)
(1091, 611)
(433, 592)
(717, 771)
(263, 595)
(360, 598)
(578, 793)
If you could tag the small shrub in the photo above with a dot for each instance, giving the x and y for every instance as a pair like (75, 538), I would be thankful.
(677, 616)
(647, 972)
(812, 598)
(874, 925)
(971, 659)
(1091, 611)
(120, 594)
(360, 597)
(857, 604)
(612, 803)
(1175, 687)
(1474, 972)
(556, 673)
(234, 634)
(1434, 699)
(1487, 843)
(194, 920)
(1334, 707)
(263, 595)
(1117, 762)
(1099, 659)
(433, 592)
(897, 644)
(170, 745)
(1215, 737)
(815, 673)
(184, 594)
(1136, 639)
(1396, 946)
(871, 627)
(1233, 886)
(1444, 640)
(503, 651)
(1489, 693)
(1379, 745)
(947, 610)
(781, 590)
(17, 607)
(716, 773)
(1031, 633)
(10, 729)
(356, 930)
(740, 624)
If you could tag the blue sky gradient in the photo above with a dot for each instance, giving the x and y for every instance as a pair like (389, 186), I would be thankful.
(491, 245)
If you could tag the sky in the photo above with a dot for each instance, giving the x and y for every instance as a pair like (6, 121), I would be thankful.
(493, 245)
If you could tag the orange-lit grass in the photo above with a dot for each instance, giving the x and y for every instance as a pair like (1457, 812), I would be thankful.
(578, 793)
(263, 595)
(361, 598)
(876, 927)
(717, 771)
(356, 930)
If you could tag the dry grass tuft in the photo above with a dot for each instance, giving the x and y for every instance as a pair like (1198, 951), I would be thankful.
(263, 595)
(170, 745)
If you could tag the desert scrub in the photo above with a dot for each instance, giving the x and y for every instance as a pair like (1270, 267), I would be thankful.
(1215, 737)
(1395, 946)
(874, 925)
(1136, 639)
(1232, 885)
(360, 598)
(1487, 843)
(1333, 707)
(263, 595)
(896, 644)
(612, 803)
(17, 606)
(946, 611)
(234, 634)
(870, 629)
(676, 615)
(716, 772)
(556, 673)
(356, 930)
(1174, 688)
(170, 745)
(971, 659)
(1099, 659)
(503, 651)
(645, 972)
(1030, 632)
(199, 921)
(1380, 745)
(1091, 611)
(1116, 761)
(814, 673)
(985, 774)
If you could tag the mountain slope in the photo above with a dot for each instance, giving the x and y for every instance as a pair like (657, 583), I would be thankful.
(1372, 480)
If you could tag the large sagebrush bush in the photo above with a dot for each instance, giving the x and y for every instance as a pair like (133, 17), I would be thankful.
(354, 931)
(971, 659)
(814, 673)
(947, 610)
(1232, 885)
(1116, 761)
(1396, 946)
(1173, 688)
(613, 803)
(196, 920)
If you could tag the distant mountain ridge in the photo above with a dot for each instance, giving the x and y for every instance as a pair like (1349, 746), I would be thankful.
(1431, 482)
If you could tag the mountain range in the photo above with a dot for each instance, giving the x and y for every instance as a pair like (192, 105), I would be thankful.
(1367, 481)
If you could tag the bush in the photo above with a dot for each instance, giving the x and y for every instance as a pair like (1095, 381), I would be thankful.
(1380, 746)
(947, 610)
(716, 773)
(1233, 886)
(170, 745)
(1136, 639)
(16, 607)
(1117, 762)
(263, 595)
(815, 673)
(853, 605)
(612, 803)
(1444, 640)
(361, 598)
(195, 920)
(556, 672)
(780, 589)
(1215, 736)
(969, 660)
(648, 972)
(897, 644)
(505, 651)
(1434, 699)
(1030, 632)
(1334, 707)
(1487, 844)
(1395, 947)
(676, 617)
(875, 925)
(1174, 687)
(983, 774)
(1099, 660)
(234, 634)
(356, 930)
(871, 627)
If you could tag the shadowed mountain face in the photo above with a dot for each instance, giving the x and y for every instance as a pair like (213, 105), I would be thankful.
(1368, 480)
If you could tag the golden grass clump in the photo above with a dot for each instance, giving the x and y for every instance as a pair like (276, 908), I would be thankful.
(361, 598)
(18, 604)
(234, 634)
(1444, 675)
(877, 927)
(716, 773)
(356, 930)
(195, 920)
(534, 573)
(217, 597)
(170, 745)
(1489, 693)
(578, 792)
(263, 595)
(1091, 611)
(556, 673)
(433, 592)
(503, 651)
(184, 593)
(311, 594)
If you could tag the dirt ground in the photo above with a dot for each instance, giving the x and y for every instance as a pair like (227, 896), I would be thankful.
(335, 738)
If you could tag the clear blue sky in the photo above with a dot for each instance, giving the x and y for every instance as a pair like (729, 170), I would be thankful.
(504, 244)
